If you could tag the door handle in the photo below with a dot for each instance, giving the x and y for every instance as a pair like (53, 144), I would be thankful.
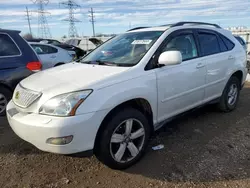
(53, 56)
(200, 65)
(230, 57)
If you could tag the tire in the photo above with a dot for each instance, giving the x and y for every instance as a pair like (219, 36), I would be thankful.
(5, 97)
(116, 125)
(226, 103)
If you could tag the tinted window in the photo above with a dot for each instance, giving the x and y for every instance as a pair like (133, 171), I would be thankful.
(242, 42)
(229, 44)
(52, 50)
(209, 44)
(43, 49)
(7, 46)
(223, 47)
(185, 44)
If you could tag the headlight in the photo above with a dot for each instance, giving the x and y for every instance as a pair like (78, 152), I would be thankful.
(65, 104)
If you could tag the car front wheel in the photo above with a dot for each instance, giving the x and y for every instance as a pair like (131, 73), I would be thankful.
(124, 139)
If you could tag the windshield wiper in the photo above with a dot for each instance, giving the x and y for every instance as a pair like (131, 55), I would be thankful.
(108, 63)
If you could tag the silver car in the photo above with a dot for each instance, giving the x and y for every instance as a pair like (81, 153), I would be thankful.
(52, 56)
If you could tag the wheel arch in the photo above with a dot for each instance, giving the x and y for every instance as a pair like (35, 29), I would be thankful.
(58, 64)
(140, 104)
(6, 86)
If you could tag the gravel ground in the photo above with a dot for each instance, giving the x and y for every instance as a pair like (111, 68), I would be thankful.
(204, 148)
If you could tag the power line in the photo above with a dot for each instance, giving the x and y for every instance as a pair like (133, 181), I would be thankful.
(71, 5)
(43, 27)
(28, 18)
(92, 20)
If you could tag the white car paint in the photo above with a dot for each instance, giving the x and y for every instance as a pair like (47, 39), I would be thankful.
(169, 90)
(49, 60)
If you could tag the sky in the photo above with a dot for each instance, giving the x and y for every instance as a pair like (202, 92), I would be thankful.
(114, 17)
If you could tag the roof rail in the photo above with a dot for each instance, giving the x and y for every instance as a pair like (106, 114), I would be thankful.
(137, 28)
(194, 23)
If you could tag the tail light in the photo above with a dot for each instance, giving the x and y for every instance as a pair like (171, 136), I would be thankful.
(34, 66)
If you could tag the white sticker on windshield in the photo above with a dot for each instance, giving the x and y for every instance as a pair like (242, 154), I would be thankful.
(141, 41)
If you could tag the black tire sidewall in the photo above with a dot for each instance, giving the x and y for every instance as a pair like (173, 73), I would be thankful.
(233, 80)
(104, 153)
(7, 93)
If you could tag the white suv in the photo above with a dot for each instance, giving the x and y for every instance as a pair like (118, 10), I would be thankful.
(114, 98)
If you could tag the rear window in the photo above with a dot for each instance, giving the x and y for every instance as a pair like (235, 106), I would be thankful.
(228, 43)
(7, 46)
(242, 42)
(209, 44)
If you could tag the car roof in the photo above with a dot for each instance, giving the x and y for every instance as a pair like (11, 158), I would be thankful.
(44, 44)
(9, 31)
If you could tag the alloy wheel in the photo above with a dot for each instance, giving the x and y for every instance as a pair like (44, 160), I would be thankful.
(127, 140)
(232, 94)
(3, 103)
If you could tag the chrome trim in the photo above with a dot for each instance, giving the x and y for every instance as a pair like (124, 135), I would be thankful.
(38, 95)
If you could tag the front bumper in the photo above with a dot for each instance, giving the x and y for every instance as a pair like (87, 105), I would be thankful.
(36, 129)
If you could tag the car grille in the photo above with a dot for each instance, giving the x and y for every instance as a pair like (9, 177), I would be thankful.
(23, 97)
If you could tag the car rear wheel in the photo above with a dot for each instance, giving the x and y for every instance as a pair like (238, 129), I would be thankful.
(5, 96)
(124, 139)
(230, 96)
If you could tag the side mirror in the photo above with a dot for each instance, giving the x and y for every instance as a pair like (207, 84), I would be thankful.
(170, 58)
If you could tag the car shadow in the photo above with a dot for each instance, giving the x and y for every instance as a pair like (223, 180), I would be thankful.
(203, 145)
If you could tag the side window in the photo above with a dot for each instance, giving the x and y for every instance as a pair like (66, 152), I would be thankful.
(228, 43)
(40, 49)
(52, 50)
(43, 49)
(184, 43)
(209, 43)
(223, 47)
(8, 47)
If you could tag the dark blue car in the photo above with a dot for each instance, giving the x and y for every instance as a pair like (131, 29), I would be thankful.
(17, 61)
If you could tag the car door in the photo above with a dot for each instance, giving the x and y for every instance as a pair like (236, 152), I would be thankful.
(180, 87)
(218, 58)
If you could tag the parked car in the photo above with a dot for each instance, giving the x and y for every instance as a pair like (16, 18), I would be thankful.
(69, 47)
(17, 61)
(52, 56)
(248, 62)
(242, 41)
(128, 87)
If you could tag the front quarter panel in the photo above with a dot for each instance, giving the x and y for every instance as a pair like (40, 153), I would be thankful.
(109, 97)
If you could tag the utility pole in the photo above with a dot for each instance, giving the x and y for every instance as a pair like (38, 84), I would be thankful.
(71, 5)
(28, 18)
(92, 20)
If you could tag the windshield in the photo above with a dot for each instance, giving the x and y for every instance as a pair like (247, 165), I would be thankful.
(123, 50)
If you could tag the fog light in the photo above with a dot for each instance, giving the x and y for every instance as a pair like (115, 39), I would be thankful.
(60, 140)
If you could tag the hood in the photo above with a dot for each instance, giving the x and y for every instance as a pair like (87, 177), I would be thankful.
(72, 77)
